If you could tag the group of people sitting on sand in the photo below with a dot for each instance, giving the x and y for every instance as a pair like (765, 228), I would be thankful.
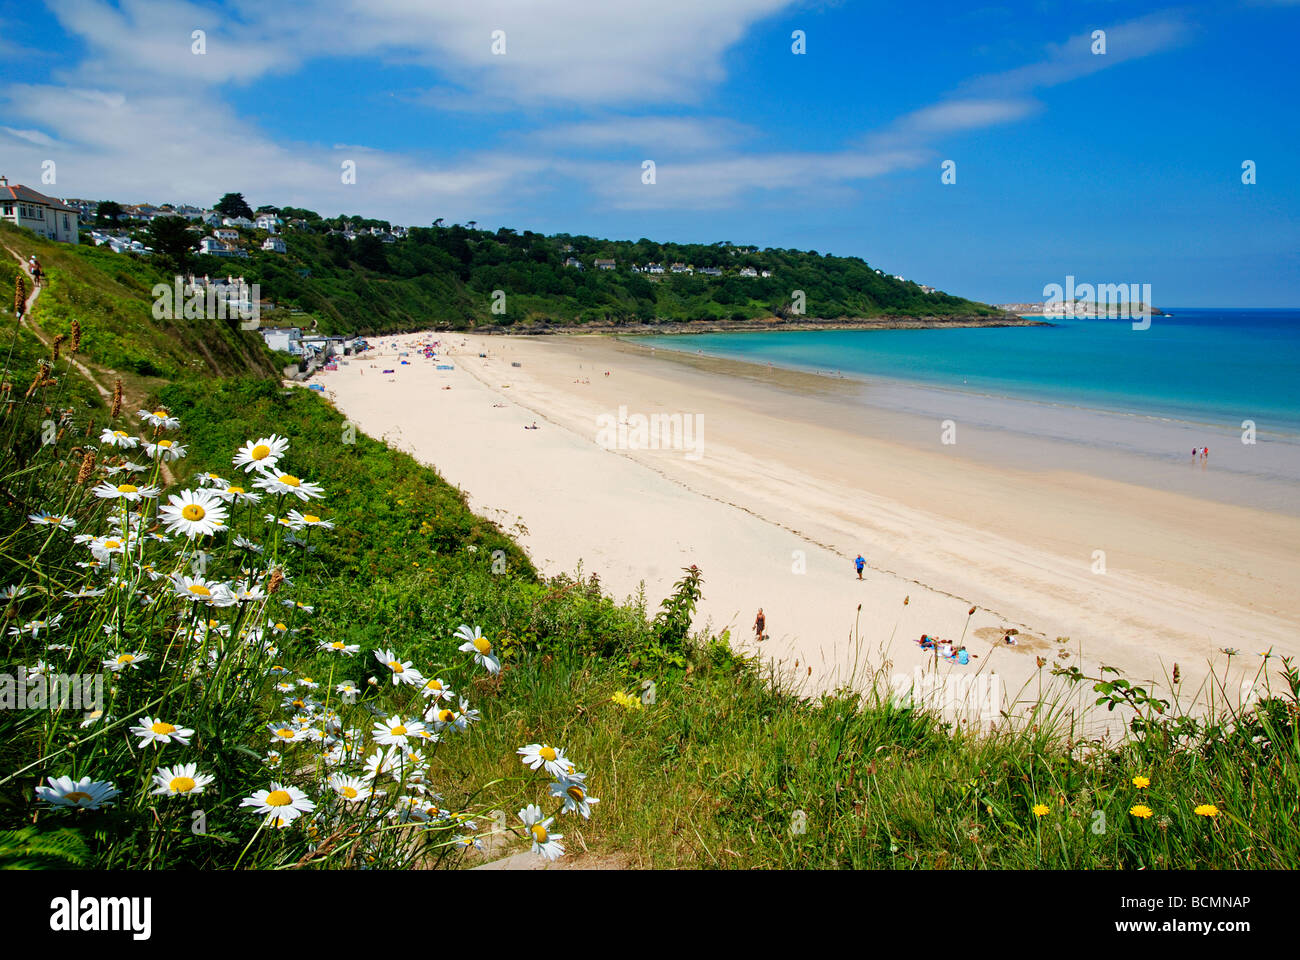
(945, 649)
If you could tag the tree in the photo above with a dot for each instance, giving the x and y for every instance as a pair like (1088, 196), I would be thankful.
(234, 205)
(172, 239)
(108, 211)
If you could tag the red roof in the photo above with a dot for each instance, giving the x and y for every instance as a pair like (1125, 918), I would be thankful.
(17, 191)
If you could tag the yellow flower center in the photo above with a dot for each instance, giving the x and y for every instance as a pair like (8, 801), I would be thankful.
(234, 490)
(289, 480)
(162, 729)
(285, 733)
(337, 644)
(349, 792)
(164, 443)
(539, 833)
(481, 645)
(119, 433)
(181, 785)
(575, 791)
(446, 716)
(310, 518)
(396, 667)
(192, 511)
(127, 488)
(125, 658)
(399, 731)
(278, 798)
(112, 544)
(260, 452)
(547, 753)
(281, 626)
(160, 413)
(200, 590)
(76, 796)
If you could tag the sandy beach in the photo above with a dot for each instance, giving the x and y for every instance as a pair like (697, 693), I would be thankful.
(774, 492)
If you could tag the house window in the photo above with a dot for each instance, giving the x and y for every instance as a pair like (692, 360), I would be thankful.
(65, 222)
(9, 209)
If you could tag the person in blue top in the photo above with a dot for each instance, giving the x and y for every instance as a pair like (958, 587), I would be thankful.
(962, 656)
(859, 563)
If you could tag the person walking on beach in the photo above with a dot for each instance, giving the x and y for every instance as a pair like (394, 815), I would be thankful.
(859, 563)
(760, 625)
(1205, 454)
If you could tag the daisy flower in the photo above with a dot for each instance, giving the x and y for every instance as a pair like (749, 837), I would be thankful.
(280, 805)
(165, 450)
(437, 690)
(181, 779)
(84, 593)
(347, 688)
(573, 792)
(85, 794)
(282, 733)
(161, 419)
(395, 731)
(264, 453)
(213, 480)
(121, 661)
(300, 521)
(478, 645)
(351, 789)
(34, 627)
(194, 513)
(124, 491)
(382, 763)
(14, 591)
(282, 483)
(539, 755)
(240, 495)
(52, 520)
(273, 758)
(198, 590)
(118, 438)
(544, 843)
(156, 731)
(338, 646)
(402, 670)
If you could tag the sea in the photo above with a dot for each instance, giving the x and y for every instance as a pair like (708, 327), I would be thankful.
(1095, 394)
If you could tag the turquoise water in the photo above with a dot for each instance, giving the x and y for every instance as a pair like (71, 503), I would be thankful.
(1208, 366)
(1090, 395)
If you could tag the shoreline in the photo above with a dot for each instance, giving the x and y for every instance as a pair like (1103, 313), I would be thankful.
(675, 328)
(781, 478)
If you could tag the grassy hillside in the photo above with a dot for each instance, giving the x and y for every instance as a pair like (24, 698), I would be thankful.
(449, 276)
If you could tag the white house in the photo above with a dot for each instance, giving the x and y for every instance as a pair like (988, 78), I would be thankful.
(230, 236)
(681, 268)
(237, 222)
(605, 264)
(268, 223)
(711, 271)
(573, 262)
(218, 248)
(274, 244)
(46, 216)
(287, 339)
(748, 272)
(654, 268)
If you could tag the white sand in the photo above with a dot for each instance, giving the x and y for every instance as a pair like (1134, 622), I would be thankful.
(782, 485)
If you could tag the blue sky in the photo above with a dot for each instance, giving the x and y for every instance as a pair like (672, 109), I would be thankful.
(1115, 167)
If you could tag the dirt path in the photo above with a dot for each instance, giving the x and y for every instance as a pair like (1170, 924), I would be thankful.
(36, 331)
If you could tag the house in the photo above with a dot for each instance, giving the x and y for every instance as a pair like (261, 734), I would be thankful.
(681, 268)
(268, 223)
(654, 268)
(711, 271)
(237, 222)
(573, 262)
(286, 339)
(46, 216)
(925, 289)
(143, 212)
(748, 272)
(605, 264)
(399, 233)
(226, 234)
(765, 273)
(210, 218)
(86, 209)
(219, 248)
(274, 244)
